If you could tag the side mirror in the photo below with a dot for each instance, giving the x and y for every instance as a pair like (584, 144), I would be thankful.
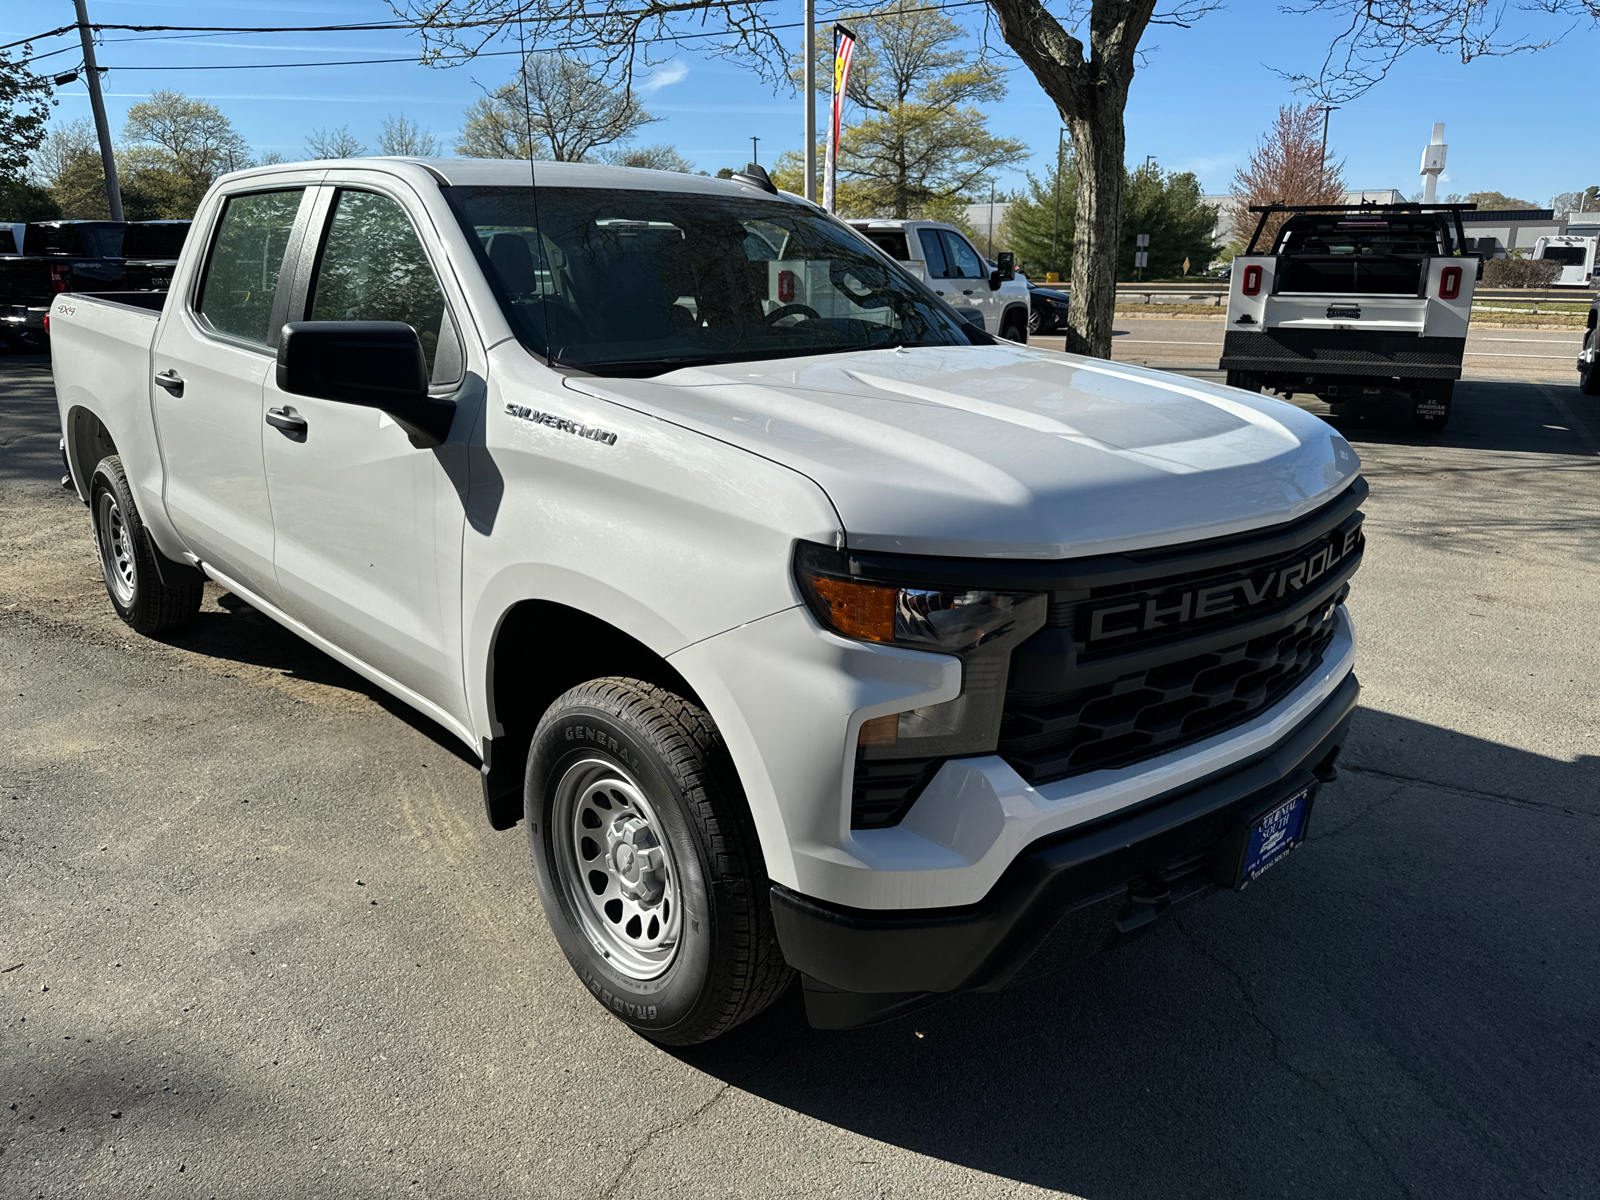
(971, 316)
(1006, 264)
(374, 364)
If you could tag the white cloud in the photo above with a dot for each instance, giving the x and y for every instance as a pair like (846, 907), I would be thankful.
(670, 73)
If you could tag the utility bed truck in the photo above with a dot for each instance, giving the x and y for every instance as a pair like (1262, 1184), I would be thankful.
(809, 630)
(1353, 303)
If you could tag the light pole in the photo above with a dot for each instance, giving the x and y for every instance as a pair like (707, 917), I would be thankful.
(991, 219)
(98, 104)
(810, 189)
(753, 158)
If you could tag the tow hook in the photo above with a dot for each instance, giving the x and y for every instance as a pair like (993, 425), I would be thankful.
(1325, 770)
(1147, 899)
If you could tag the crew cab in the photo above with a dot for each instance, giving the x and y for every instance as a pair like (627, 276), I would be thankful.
(1353, 303)
(941, 256)
(41, 259)
(807, 629)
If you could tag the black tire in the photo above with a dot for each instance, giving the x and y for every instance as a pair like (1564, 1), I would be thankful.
(1244, 381)
(1588, 372)
(128, 558)
(1014, 328)
(651, 770)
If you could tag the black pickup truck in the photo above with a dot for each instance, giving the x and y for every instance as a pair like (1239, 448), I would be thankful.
(41, 259)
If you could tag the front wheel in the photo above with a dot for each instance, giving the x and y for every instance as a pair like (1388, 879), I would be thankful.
(1014, 329)
(128, 558)
(647, 862)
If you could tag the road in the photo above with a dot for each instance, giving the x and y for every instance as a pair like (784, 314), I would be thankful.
(259, 941)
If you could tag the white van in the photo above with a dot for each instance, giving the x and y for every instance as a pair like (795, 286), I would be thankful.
(1576, 256)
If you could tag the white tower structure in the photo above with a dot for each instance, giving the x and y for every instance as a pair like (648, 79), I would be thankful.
(1433, 164)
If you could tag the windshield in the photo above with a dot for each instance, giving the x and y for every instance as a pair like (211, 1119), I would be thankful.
(1372, 236)
(618, 281)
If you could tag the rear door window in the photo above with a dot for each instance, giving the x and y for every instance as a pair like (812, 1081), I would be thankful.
(373, 268)
(891, 242)
(246, 259)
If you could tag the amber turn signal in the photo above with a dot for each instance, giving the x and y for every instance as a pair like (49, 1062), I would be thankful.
(857, 610)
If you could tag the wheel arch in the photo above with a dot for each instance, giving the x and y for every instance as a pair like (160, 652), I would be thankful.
(88, 441)
(564, 646)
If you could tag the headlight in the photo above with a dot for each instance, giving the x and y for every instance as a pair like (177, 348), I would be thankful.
(979, 627)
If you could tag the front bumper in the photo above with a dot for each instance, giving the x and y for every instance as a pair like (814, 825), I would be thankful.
(1081, 891)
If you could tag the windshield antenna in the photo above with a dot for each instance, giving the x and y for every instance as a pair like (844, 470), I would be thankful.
(533, 183)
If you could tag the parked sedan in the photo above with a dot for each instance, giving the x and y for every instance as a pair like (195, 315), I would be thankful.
(1048, 309)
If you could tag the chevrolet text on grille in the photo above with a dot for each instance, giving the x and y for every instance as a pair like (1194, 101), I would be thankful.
(1218, 599)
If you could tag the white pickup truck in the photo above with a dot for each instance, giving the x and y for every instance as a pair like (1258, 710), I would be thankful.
(941, 257)
(813, 631)
(1359, 304)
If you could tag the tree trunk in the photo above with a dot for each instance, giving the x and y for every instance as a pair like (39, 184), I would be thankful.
(1090, 91)
(1099, 141)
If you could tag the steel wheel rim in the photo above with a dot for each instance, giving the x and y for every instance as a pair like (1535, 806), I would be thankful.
(616, 868)
(116, 550)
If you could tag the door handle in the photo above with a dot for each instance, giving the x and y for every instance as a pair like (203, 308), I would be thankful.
(966, 291)
(170, 380)
(289, 421)
(938, 293)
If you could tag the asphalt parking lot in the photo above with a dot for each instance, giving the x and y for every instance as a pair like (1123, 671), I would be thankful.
(259, 941)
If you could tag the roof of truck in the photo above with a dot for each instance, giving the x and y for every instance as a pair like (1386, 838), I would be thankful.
(519, 172)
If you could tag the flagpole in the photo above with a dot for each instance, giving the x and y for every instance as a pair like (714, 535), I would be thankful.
(810, 189)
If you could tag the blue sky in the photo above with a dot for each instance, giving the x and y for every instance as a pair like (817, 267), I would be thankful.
(1520, 125)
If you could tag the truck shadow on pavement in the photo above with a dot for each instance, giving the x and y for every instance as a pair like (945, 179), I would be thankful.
(1510, 415)
(1407, 1007)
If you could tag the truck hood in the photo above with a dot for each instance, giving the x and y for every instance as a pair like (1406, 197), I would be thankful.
(1009, 451)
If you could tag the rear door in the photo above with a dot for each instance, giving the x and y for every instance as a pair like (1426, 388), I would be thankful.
(368, 527)
(211, 354)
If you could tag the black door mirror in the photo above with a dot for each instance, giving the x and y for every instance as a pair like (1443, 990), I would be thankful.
(375, 364)
(1005, 269)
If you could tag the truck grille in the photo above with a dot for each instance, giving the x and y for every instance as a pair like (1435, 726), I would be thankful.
(1143, 713)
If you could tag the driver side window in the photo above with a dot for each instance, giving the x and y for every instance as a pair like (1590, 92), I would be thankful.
(964, 260)
(373, 268)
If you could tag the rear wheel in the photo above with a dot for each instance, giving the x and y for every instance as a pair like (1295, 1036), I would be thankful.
(128, 558)
(647, 862)
(1589, 371)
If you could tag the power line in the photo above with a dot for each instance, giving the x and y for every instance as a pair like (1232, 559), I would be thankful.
(361, 62)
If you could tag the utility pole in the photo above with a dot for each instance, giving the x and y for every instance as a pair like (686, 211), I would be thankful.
(1326, 109)
(810, 188)
(98, 104)
(753, 156)
(1433, 155)
(1055, 230)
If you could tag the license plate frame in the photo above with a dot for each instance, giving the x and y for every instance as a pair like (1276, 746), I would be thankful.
(1262, 837)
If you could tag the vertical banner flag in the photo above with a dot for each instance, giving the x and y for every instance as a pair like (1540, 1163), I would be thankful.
(844, 44)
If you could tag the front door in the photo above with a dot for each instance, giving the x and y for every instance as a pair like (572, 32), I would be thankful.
(369, 527)
(209, 362)
(957, 273)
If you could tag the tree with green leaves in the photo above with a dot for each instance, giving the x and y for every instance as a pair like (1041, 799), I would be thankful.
(556, 108)
(916, 135)
(25, 102)
(1038, 225)
(174, 148)
(1170, 207)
